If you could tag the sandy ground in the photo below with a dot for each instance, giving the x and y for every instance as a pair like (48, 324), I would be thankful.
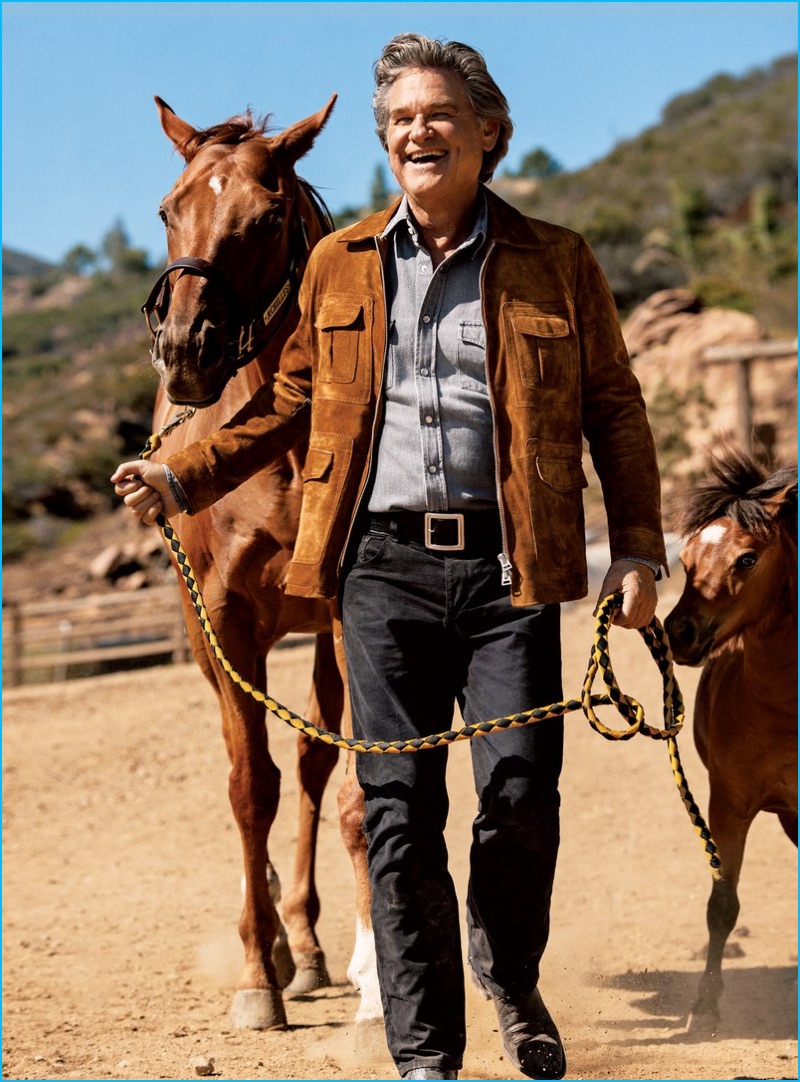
(121, 895)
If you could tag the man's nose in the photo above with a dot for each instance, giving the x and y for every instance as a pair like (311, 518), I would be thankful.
(419, 128)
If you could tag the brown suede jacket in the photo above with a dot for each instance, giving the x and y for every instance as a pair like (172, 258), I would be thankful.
(558, 370)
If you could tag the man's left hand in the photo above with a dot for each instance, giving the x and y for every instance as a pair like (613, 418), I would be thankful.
(637, 585)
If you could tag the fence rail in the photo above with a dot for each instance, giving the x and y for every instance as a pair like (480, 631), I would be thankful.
(53, 640)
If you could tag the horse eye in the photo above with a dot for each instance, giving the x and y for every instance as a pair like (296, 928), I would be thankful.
(162, 215)
(274, 219)
(747, 560)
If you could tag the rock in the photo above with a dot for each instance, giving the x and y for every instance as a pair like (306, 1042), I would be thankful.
(657, 318)
(103, 565)
(203, 1066)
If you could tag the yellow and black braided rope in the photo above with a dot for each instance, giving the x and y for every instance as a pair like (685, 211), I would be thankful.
(600, 661)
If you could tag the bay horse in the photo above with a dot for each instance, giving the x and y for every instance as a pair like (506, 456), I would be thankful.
(240, 225)
(737, 617)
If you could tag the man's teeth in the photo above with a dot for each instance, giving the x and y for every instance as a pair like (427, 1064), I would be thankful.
(433, 156)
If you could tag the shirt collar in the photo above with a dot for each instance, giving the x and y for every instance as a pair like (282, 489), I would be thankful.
(403, 215)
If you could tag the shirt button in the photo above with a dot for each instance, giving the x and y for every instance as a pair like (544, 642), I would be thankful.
(429, 420)
(423, 371)
(431, 469)
(426, 319)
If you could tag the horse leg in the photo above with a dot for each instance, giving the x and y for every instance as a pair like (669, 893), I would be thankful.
(363, 968)
(730, 832)
(362, 971)
(316, 761)
(254, 789)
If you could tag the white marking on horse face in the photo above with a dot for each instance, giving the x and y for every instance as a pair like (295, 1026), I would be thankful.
(712, 535)
(215, 184)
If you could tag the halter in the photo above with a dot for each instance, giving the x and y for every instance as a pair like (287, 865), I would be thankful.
(248, 337)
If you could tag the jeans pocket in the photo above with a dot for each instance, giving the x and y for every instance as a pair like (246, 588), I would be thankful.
(371, 548)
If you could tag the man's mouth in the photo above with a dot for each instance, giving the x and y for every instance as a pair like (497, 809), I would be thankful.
(427, 157)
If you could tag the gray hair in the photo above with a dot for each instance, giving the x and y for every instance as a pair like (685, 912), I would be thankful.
(415, 51)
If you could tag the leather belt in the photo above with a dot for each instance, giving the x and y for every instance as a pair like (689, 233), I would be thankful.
(468, 534)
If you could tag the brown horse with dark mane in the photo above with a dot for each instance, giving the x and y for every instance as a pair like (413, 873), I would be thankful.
(240, 225)
(738, 618)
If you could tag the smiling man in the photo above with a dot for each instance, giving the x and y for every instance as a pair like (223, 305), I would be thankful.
(450, 359)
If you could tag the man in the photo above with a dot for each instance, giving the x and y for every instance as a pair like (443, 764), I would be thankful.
(450, 358)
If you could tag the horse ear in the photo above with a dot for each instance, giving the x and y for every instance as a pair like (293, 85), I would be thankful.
(177, 130)
(299, 138)
(783, 505)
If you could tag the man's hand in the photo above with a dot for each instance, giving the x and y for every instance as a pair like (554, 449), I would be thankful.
(637, 584)
(145, 490)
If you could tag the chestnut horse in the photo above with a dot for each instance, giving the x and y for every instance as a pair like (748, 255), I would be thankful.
(240, 225)
(738, 618)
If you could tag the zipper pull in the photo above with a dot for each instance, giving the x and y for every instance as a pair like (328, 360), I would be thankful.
(505, 564)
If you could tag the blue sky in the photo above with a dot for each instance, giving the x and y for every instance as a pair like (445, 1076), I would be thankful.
(82, 146)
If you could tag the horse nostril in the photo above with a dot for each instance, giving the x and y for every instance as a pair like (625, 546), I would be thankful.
(682, 631)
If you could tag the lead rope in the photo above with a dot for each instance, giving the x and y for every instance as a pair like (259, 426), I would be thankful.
(632, 711)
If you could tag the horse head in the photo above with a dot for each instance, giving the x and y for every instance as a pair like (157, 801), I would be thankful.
(739, 557)
(239, 225)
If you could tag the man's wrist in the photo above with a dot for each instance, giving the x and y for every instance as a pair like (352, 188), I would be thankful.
(654, 566)
(178, 495)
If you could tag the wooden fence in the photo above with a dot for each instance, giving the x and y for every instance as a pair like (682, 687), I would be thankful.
(60, 639)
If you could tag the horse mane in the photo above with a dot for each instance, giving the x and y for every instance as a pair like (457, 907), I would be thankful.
(235, 130)
(742, 489)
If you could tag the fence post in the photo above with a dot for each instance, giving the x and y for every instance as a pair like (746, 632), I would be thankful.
(15, 645)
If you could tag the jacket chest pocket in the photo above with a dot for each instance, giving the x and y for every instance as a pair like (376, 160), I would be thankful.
(544, 345)
(344, 330)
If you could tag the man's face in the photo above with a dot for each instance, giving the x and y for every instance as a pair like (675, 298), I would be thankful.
(435, 141)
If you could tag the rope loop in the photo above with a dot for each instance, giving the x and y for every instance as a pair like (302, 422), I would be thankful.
(655, 638)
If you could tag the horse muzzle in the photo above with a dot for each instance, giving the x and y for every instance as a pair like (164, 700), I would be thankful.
(691, 640)
(193, 374)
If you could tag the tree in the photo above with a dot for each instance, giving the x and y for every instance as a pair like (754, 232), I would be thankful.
(120, 255)
(79, 260)
(539, 163)
(379, 190)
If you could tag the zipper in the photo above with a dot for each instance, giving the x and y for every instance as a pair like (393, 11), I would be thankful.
(376, 419)
(506, 566)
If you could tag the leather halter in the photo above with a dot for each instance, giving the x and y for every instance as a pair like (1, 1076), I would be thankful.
(248, 336)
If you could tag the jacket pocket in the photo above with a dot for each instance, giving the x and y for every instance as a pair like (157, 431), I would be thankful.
(561, 472)
(545, 347)
(344, 341)
(555, 483)
(324, 473)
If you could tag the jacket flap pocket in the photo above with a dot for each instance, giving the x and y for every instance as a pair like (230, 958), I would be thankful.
(561, 474)
(318, 463)
(540, 326)
(340, 314)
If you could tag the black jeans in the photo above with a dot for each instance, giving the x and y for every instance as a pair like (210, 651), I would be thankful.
(421, 632)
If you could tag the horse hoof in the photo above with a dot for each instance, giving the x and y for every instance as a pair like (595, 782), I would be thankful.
(703, 1023)
(258, 1008)
(310, 973)
(369, 1039)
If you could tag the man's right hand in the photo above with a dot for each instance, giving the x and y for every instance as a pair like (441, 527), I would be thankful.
(145, 490)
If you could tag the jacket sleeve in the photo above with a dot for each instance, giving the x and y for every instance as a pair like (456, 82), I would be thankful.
(275, 420)
(614, 421)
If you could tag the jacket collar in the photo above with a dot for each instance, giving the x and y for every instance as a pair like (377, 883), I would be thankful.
(506, 225)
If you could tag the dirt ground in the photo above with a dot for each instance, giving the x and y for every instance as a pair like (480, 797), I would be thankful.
(121, 896)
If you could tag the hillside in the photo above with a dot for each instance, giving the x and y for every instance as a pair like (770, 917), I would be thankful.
(705, 201)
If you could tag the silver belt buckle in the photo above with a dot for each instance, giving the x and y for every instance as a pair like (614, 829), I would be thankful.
(430, 517)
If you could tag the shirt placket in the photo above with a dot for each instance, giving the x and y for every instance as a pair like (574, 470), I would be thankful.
(429, 288)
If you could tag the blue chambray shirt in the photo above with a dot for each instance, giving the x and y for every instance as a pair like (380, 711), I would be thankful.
(435, 451)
